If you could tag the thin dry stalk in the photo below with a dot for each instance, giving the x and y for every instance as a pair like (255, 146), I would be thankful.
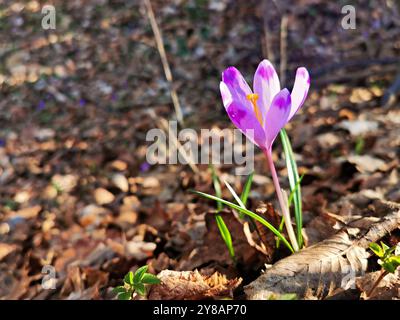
(164, 61)
(283, 48)
(163, 125)
(267, 47)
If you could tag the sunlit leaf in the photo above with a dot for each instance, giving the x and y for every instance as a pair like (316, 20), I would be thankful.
(129, 278)
(140, 289)
(125, 296)
(139, 274)
(149, 278)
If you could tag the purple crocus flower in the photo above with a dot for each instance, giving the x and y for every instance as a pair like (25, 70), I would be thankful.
(145, 166)
(82, 102)
(41, 105)
(260, 114)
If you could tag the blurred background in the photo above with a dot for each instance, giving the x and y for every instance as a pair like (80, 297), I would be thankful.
(76, 192)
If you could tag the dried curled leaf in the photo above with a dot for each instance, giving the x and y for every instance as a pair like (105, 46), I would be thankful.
(317, 270)
(191, 285)
(320, 269)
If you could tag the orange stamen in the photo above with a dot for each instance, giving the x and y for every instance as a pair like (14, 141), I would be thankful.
(253, 97)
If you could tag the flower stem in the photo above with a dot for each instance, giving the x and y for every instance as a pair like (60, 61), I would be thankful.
(283, 205)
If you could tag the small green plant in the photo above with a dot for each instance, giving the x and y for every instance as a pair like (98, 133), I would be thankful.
(57, 187)
(10, 204)
(135, 282)
(359, 147)
(389, 260)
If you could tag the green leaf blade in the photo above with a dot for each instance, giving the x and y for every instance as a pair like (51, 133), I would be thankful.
(249, 213)
(149, 278)
(376, 248)
(246, 189)
(140, 289)
(129, 278)
(125, 296)
(217, 187)
(226, 235)
(294, 183)
(119, 289)
(139, 274)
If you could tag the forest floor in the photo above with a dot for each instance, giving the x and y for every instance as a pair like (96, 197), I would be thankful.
(76, 192)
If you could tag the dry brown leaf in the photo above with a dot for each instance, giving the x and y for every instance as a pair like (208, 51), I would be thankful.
(388, 287)
(6, 249)
(319, 228)
(119, 165)
(191, 285)
(214, 249)
(103, 196)
(320, 269)
(316, 270)
(29, 213)
(120, 181)
(139, 250)
(65, 183)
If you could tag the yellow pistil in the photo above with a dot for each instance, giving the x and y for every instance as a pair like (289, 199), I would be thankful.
(253, 97)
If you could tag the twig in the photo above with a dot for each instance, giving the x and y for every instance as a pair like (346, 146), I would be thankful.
(164, 61)
(163, 125)
(267, 48)
(381, 276)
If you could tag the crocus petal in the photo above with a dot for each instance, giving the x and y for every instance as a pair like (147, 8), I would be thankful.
(300, 90)
(225, 94)
(266, 85)
(236, 85)
(277, 116)
(245, 120)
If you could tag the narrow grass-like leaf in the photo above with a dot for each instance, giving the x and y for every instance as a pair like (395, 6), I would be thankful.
(246, 189)
(217, 187)
(223, 229)
(225, 234)
(233, 192)
(249, 213)
(280, 229)
(293, 176)
(293, 192)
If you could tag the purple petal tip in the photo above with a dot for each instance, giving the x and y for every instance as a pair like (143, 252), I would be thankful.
(229, 75)
(266, 70)
(283, 99)
(303, 72)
